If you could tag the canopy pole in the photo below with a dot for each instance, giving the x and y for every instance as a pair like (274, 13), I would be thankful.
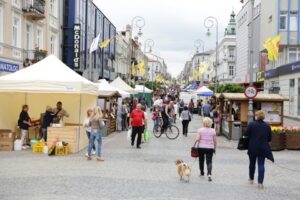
(79, 132)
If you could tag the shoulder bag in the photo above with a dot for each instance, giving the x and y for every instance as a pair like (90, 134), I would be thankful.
(194, 150)
(243, 143)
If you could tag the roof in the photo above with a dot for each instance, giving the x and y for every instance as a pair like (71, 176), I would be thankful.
(106, 90)
(120, 84)
(49, 75)
(259, 97)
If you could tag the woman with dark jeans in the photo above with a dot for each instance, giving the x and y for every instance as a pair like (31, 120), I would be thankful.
(259, 134)
(207, 143)
(186, 118)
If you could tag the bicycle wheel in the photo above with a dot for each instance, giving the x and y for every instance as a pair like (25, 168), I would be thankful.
(157, 131)
(172, 132)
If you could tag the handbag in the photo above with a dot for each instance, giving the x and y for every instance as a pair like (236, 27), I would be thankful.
(147, 135)
(243, 143)
(129, 133)
(194, 150)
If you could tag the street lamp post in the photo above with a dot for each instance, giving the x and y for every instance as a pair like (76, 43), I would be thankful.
(209, 23)
(199, 43)
(138, 22)
(148, 43)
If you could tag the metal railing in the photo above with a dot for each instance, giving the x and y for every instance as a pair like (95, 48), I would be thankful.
(36, 6)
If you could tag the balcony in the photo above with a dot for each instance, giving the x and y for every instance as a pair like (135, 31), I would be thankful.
(34, 56)
(34, 9)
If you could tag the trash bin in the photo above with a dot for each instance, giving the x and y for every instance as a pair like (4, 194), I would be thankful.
(236, 130)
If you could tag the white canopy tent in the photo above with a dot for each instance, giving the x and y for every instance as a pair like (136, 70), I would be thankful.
(105, 89)
(120, 84)
(42, 84)
(141, 89)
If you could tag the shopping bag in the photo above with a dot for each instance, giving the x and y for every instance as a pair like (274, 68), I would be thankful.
(129, 133)
(243, 143)
(147, 135)
(194, 150)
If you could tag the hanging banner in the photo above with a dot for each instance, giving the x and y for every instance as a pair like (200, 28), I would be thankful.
(77, 30)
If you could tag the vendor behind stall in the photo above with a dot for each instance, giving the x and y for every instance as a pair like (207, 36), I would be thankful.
(59, 112)
(47, 120)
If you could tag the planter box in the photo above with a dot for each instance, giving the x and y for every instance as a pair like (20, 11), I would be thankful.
(293, 141)
(278, 142)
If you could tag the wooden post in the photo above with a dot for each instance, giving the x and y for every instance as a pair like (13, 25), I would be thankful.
(230, 121)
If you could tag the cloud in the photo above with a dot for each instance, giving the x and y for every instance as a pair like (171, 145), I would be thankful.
(174, 25)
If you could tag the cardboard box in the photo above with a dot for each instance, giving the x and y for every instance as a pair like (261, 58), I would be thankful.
(7, 135)
(6, 146)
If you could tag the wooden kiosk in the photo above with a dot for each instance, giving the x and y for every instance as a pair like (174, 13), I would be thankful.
(234, 111)
(108, 103)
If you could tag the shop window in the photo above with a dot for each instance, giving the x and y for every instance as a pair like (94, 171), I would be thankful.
(291, 96)
(298, 96)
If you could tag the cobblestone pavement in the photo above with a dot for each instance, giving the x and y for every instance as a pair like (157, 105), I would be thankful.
(148, 174)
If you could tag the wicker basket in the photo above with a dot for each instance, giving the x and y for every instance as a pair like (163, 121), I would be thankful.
(293, 141)
(278, 142)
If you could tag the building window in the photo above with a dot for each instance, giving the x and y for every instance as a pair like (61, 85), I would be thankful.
(53, 8)
(16, 31)
(53, 46)
(283, 20)
(28, 37)
(1, 23)
(231, 70)
(231, 52)
(40, 38)
(293, 21)
(293, 55)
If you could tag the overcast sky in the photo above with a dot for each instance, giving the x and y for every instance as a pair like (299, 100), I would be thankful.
(174, 25)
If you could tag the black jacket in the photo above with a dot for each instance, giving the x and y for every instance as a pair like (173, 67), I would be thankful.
(48, 118)
(23, 117)
(260, 135)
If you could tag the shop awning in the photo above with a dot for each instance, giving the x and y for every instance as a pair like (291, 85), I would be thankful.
(259, 97)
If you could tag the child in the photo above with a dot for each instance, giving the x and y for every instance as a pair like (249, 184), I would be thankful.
(88, 129)
(47, 120)
(24, 122)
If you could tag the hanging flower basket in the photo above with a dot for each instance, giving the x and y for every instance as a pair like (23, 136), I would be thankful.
(278, 141)
(293, 138)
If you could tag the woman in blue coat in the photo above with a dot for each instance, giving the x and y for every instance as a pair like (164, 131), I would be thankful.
(259, 134)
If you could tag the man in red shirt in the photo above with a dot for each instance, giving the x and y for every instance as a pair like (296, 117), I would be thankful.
(137, 118)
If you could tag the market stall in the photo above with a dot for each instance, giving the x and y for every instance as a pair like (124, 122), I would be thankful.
(143, 91)
(234, 111)
(46, 83)
(121, 85)
(108, 101)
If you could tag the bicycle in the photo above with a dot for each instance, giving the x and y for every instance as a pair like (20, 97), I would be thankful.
(172, 132)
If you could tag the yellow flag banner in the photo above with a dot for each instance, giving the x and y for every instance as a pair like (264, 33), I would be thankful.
(203, 67)
(197, 74)
(133, 69)
(106, 42)
(141, 67)
(272, 46)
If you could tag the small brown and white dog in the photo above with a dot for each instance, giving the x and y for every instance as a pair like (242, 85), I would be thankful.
(184, 171)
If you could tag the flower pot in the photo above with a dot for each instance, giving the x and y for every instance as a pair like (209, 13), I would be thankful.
(278, 141)
(293, 141)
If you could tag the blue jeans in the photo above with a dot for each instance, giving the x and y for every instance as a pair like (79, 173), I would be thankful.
(261, 167)
(95, 135)
(89, 135)
(44, 132)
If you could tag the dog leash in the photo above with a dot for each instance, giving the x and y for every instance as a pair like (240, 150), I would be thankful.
(284, 167)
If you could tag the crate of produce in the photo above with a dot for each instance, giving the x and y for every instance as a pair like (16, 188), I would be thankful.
(38, 148)
(61, 150)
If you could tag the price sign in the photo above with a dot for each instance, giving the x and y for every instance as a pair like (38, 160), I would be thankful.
(250, 92)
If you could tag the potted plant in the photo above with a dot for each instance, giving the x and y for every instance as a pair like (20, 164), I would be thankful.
(293, 138)
(278, 138)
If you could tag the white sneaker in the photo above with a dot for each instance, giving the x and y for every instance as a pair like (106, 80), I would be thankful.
(93, 152)
(24, 147)
(87, 154)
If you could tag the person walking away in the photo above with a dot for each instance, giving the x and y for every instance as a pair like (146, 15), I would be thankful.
(181, 106)
(206, 109)
(97, 124)
(191, 106)
(175, 110)
(199, 106)
(47, 120)
(186, 118)
(24, 122)
(216, 118)
(207, 143)
(144, 122)
(88, 129)
(124, 113)
(137, 117)
(259, 134)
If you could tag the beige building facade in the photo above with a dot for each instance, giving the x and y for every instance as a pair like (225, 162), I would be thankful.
(29, 31)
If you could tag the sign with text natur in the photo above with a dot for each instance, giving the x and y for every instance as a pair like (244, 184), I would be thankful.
(77, 29)
(250, 92)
